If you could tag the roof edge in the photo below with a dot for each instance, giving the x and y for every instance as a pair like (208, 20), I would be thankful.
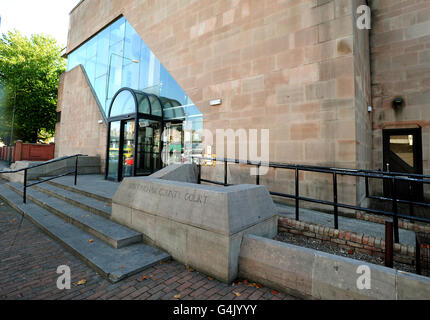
(75, 7)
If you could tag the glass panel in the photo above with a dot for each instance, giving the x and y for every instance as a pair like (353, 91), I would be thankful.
(130, 73)
(124, 104)
(114, 149)
(100, 88)
(128, 149)
(102, 52)
(115, 75)
(117, 30)
(72, 61)
(91, 48)
(90, 69)
(155, 106)
(403, 147)
(170, 88)
(173, 144)
(148, 147)
(133, 43)
(143, 103)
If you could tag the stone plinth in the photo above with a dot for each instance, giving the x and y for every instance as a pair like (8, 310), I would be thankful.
(198, 225)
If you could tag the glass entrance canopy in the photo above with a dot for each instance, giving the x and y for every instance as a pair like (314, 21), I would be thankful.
(117, 57)
(129, 102)
(126, 75)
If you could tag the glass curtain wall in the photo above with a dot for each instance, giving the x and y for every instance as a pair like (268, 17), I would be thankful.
(117, 57)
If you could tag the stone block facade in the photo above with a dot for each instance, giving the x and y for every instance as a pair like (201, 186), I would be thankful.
(400, 50)
(299, 68)
(79, 130)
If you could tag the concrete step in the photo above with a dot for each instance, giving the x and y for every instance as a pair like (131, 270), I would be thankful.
(88, 186)
(113, 264)
(92, 205)
(114, 234)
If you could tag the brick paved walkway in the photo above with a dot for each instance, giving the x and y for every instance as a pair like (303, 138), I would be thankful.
(28, 271)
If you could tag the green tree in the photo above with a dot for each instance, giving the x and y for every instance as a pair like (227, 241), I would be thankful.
(30, 68)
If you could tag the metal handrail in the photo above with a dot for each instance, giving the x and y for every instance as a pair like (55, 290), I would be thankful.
(392, 177)
(75, 172)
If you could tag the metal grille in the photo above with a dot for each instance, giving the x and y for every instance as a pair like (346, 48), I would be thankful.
(423, 253)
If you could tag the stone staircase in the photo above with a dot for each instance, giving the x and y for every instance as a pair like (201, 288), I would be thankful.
(80, 220)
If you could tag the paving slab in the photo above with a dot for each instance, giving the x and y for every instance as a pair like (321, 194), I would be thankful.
(113, 264)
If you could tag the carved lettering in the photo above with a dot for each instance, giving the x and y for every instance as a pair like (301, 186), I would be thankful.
(196, 198)
(174, 194)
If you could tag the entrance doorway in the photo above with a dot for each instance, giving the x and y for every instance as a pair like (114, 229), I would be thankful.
(148, 158)
(140, 141)
(403, 153)
(173, 140)
(121, 149)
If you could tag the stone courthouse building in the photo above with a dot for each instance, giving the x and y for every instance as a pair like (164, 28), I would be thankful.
(330, 93)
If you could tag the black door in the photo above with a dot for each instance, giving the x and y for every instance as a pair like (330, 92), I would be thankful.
(403, 154)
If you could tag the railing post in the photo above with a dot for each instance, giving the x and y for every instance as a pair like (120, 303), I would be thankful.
(297, 195)
(76, 170)
(411, 206)
(225, 173)
(388, 244)
(199, 177)
(395, 218)
(24, 194)
(258, 175)
(366, 179)
(336, 209)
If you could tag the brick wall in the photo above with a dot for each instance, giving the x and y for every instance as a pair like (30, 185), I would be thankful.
(347, 240)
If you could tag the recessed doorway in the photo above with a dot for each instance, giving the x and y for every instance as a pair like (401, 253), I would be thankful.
(402, 152)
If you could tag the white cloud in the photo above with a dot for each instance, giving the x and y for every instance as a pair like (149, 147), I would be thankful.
(37, 16)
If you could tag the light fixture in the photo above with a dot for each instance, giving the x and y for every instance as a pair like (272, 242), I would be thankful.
(398, 103)
(215, 102)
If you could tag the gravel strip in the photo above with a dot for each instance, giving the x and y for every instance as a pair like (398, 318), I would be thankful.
(327, 247)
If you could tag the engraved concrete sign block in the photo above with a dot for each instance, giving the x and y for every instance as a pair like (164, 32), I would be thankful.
(199, 225)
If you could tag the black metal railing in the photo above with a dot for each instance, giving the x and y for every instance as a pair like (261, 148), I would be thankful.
(391, 177)
(27, 185)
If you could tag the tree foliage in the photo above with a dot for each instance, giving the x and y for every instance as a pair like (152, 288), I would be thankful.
(30, 68)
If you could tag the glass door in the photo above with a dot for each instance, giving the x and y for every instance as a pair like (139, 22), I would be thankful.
(121, 149)
(174, 143)
(113, 153)
(128, 130)
(148, 147)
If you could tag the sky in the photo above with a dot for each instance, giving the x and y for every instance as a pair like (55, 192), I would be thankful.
(50, 17)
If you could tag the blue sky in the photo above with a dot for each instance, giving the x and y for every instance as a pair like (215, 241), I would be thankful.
(37, 16)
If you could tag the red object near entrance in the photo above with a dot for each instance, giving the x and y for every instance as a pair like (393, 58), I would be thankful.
(28, 152)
